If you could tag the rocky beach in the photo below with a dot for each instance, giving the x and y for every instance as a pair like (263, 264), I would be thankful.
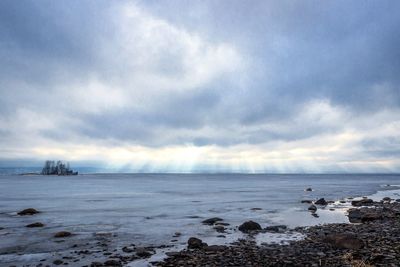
(371, 238)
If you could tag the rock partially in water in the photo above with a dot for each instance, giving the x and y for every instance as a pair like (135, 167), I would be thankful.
(308, 189)
(62, 234)
(364, 215)
(219, 228)
(36, 224)
(308, 201)
(29, 211)
(321, 202)
(144, 252)
(196, 243)
(58, 262)
(212, 221)
(276, 228)
(249, 226)
(312, 208)
(347, 241)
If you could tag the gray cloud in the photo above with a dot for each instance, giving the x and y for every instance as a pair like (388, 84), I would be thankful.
(205, 73)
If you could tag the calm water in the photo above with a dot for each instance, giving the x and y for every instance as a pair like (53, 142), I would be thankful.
(150, 208)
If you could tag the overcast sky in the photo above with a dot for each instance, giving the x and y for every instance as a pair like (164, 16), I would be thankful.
(181, 86)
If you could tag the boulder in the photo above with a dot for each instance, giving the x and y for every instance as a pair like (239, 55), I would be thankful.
(249, 226)
(62, 234)
(362, 202)
(196, 243)
(36, 224)
(211, 221)
(30, 211)
(321, 201)
(308, 189)
(346, 241)
(386, 199)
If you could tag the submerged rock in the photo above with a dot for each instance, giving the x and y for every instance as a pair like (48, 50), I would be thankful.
(249, 226)
(62, 234)
(196, 243)
(212, 221)
(36, 224)
(29, 211)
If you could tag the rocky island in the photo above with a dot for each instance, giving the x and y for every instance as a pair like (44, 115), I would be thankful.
(59, 168)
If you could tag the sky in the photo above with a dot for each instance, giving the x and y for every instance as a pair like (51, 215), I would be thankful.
(191, 86)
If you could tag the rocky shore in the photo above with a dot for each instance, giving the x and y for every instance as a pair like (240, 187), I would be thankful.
(371, 238)
(372, 241)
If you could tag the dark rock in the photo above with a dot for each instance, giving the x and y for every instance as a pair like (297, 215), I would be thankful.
(58, 262)
(347, 241)
(249, 226)
(195, 243)
(177, 234)
(386, 199)
(362, 202)
(128, 249)
(211, 221)
(256, 208)
(36, 224)
(62, 234)
(308, 189)
(30, 211)
(312, 208)
(306, 201)
(321, 202)
(112, 263)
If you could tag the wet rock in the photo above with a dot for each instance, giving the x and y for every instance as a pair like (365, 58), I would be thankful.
(249, 226)
(386, 199)
(58, 262)
(196, 243)
(128, 249)
(321, 202)
(347, 241)
(177, 234)
(312, 208)
(256, 208)
(307, 201)
(29, 211)
(362, 202)
(112, 262)
(62, 234)
(36, 224)
(212, 221)
(276, 228)
(96, 264)
(308, 189)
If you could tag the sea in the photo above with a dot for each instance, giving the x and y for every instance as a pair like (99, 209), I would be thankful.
(150, 209)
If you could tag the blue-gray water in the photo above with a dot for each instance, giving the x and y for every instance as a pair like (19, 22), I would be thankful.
(150, 208)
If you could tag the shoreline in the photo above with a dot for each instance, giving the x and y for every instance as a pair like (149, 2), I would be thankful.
(100, 250)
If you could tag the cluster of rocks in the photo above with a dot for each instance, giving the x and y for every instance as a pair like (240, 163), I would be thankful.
(372, 242)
